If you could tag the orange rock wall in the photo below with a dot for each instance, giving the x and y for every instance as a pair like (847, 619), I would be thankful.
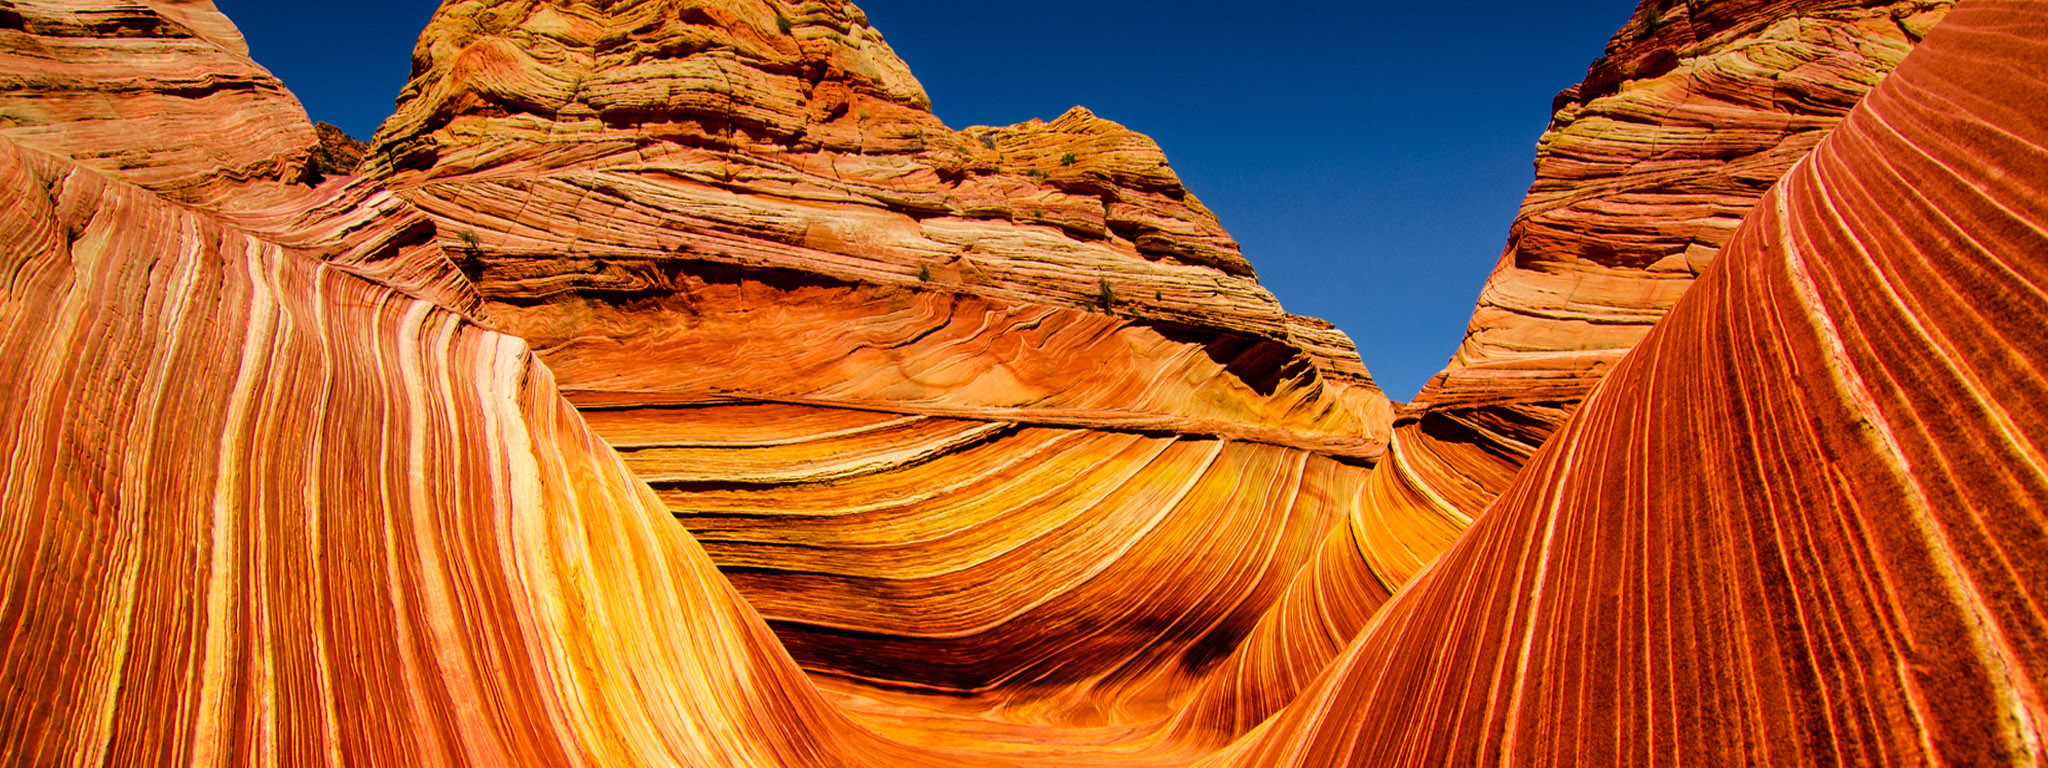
(343, 526)
(1797, 524)
(931, 397)
(414, 467)
(1648, 167)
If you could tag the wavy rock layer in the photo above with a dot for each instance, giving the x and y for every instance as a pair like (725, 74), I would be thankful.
(344, 526)
(161, 94)
(271, 499)
(275, 493)
(763, 135)
(933, 398)
(1800, 523)
(1648, 167)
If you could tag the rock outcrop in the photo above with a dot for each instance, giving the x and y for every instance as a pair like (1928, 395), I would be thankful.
(932, 398)
(1648, 167)
(161, 94)
(1799, 523)
(343, 525)
(413, 466)
(338, 153)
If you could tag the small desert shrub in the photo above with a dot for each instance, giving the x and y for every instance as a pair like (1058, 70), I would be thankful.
(1105, 295)
(1068, 159)
(782, 23)
(924, 273)
(1653, 23)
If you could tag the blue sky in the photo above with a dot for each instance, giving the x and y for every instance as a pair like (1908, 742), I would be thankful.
(1369, 156)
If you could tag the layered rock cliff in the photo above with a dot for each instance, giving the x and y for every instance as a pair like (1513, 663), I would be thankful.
(160, 94)
(932, 398)
(412, 467)
(1647, 168)
(1797, 524)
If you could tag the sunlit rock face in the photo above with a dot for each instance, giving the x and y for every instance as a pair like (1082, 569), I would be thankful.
(1647, 168)
(272, 499)
(572, 433)
(161, 94)
(263, 511)
(1696, 110)
(789, 138)
(1800, 524)
(999, 413)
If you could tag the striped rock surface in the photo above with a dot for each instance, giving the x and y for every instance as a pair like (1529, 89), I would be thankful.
(1647, 168)
(1801, 523)
(1649, 165)
(934, 400)
(342, 525)
(159, 93)
(284, 484)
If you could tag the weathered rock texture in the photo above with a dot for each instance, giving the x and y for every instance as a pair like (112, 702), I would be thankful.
(338, 153)
(936, 400)
(1648, 167)
(162, 94)
(1650, 164)
(1800, 524)
(343, 526)
(283, 483)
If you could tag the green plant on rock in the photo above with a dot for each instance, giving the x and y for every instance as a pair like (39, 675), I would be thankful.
(1068, 159)
(924, 273)
(782, 23)
(988, 141)
(1105, 295)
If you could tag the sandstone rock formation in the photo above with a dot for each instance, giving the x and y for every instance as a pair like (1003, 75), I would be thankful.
(338, 153)
(931, 398)
(344, 525)
(161, 94)
(1648, 167)
(1799, 524)
(412, 467)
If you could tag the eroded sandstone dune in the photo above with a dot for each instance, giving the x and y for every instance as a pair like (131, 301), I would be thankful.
(671, 388)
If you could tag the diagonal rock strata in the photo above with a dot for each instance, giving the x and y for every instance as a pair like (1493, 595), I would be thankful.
(1795, 525)
(1647, 168)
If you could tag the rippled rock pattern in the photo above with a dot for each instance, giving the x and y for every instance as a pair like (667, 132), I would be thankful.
(343, 526)
(1800, 524)
(1648, 167)
(935, 400)
(616, 430)
(162, 94)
